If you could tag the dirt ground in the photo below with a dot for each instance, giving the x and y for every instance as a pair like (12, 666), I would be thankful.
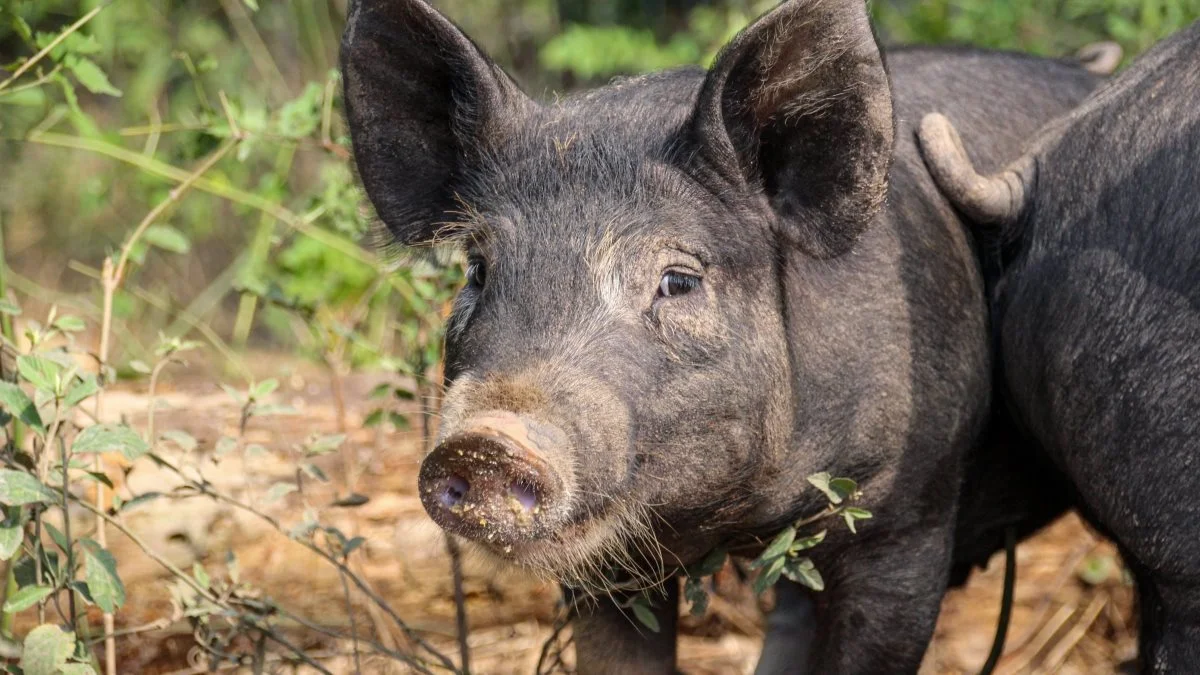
(1072, 612)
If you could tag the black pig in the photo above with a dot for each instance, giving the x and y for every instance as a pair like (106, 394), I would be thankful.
(684, 297)
(1095, 241)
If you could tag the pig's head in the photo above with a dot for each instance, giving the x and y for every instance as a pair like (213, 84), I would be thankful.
(618, 367)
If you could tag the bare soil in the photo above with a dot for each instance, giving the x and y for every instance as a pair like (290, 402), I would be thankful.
(1073, 611)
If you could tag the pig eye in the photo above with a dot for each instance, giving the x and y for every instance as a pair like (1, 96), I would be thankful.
(676, 283)
(476, 272)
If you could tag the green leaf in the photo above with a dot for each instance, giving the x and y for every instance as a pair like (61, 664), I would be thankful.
(56, 534)
(769, 576)
(236, 395)
(201, 575)
(90, 75)
(27, 597)
(851, 514)
(273, 409)
(844, 487)
(232, 567)
(821, 482)
(81, 390)
(11, 533)
(46, 650)
(351, 500)
(139, 499)
(778, 547)
(167, 238)
(279, 490)
(76, 669)
(225, 445)
(108, 438)
(99, 477)
(373, 418)
(101, 574)
(352, 545)
(712, 563)
(315, 472)
(39, 371)
(264, 389)
(7, 307)
(806, 543)
(803, 572)
(183, 439)
(694, 593)
(14, 400)
(645, 616)
(70, 324)
(380, 390)
(324, 444)
(399, 420)
(18, 487)
(140, 367)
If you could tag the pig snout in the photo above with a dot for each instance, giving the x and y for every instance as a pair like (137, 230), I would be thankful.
(491, 480)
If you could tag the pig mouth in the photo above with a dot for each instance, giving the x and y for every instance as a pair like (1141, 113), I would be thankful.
(504, 482)
(597, 553)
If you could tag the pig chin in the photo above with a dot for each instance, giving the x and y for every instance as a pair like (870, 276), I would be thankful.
(596, 554)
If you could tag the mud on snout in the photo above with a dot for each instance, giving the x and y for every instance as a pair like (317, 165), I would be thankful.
(510, 482)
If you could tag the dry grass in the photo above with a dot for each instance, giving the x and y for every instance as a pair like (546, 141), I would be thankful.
(1061, 623)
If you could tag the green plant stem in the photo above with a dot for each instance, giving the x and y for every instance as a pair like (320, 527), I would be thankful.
(350, 615)
(65, 455)
(260, 248)
(173, 197)
(34, 84)
(10, 587)
(18, 436)
(150, 165)
(37, 559)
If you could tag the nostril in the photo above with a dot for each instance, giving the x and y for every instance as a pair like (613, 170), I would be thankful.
(524, 493)
(454, 491)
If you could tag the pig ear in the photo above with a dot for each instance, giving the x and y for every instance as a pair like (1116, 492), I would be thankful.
(422, 101)
(798, 105)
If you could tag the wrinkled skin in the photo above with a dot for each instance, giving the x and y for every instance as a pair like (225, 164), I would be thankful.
(1097, 298)
(683, 299)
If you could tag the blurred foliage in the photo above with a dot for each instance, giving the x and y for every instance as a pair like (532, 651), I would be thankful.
(104, 128)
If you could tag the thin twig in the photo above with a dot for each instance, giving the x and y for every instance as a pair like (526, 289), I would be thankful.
(174, 196)
(460, 605)
(156, 625)
(53, 43)
(35, 83)
(353, 626)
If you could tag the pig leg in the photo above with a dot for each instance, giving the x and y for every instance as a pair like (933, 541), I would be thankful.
(609, 639)
(791, 627)
(880, 604)
(1169, 641)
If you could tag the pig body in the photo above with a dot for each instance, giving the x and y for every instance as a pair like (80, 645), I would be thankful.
(1096, 295)
(684, 297)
